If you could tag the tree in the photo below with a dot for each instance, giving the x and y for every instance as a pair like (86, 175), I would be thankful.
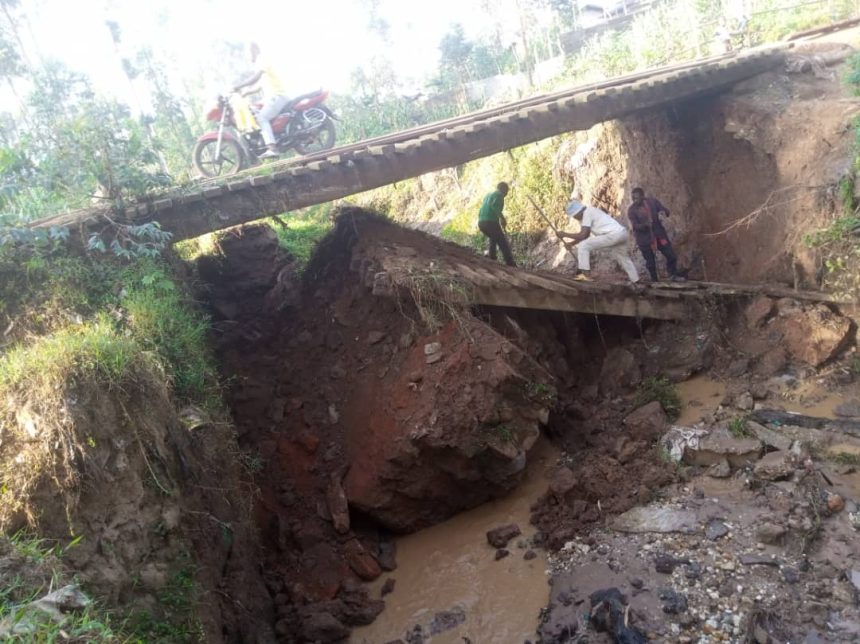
(454, 51)
(92, 148)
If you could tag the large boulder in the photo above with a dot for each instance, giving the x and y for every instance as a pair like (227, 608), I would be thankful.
(813, 334)
(721, 444)
(620, 371)
(647, 422)
(678, 351)
(447, 435)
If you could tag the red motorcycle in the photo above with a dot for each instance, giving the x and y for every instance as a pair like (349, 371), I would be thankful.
(305, 125)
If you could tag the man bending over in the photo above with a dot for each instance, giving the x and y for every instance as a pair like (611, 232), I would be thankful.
(598, 231)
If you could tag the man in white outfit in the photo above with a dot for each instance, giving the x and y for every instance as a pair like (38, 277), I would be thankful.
(598, 230)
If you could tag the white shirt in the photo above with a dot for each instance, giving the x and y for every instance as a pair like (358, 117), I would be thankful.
(601, 223)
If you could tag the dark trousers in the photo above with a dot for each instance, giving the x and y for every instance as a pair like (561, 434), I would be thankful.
(651, 259)
(493, 231)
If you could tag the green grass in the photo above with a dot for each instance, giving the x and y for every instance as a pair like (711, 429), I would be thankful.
(301, 237)
(664, 392)
(844, 458)
(38, 571)
(162, 322)
(91, 349)
(177, 623)
(87, 316)
(738, 427)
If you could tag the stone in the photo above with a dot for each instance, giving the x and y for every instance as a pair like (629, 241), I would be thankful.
(835, 503)
(655, 518)
(854, 577)
(716, 529)
(387, 555)
(693, 570)
(719, 444)
(769, 437)
(753, 559)
(674, 602)
(433, 358)
(445, 620)
(774, 466)
(666, 563)
(647, 422)
(397, 476)
(720, 470)
(387, 587)
(361, 562)
(790, 575)
(338, 505)
(620, 371)
(563, 481)
(758, 311)
(738, 367)
(770, 533)
(529, 555)
(745, 401)
(814, 334)
(501, 553)
(432, 348)
(771, 362)
(375, 337)
(323, 627)
(849, 409)
(499, 537)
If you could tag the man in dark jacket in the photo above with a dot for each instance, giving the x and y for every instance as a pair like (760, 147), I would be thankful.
(491, 222)
(644, 214)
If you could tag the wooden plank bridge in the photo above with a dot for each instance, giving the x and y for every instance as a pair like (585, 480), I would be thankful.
(391, 258)
(296, 183)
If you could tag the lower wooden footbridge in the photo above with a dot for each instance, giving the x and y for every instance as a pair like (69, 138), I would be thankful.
(291, 184)
(390, 258)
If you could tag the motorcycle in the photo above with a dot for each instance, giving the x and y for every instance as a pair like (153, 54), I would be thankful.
(305, 124)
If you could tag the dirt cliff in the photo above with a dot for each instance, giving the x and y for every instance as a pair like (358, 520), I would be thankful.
(745, 174)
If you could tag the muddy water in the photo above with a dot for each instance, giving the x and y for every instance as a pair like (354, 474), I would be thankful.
(700, 395)
(451, 565)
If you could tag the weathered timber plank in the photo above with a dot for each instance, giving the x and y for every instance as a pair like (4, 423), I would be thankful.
(627, 306)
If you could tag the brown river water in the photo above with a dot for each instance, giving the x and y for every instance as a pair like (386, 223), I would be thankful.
(451, 565)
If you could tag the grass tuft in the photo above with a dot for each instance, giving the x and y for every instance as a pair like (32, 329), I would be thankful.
(738, 427)
(91, 349)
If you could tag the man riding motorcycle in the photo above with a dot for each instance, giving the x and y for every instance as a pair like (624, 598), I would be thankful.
(274, 96)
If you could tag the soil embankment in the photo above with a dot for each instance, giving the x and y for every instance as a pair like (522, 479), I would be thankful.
(365, 421)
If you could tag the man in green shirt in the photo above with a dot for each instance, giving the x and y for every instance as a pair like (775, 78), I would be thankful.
(491, 222)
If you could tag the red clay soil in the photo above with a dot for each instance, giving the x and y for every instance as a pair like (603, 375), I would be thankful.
(335, 396)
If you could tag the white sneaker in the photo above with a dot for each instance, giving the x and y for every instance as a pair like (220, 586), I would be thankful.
(269, 154)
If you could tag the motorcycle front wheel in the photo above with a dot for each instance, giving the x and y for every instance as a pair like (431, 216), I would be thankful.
(322, 138)
(230, 160)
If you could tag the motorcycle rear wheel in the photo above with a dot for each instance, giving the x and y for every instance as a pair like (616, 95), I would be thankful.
(322, 139)
(231, 160)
